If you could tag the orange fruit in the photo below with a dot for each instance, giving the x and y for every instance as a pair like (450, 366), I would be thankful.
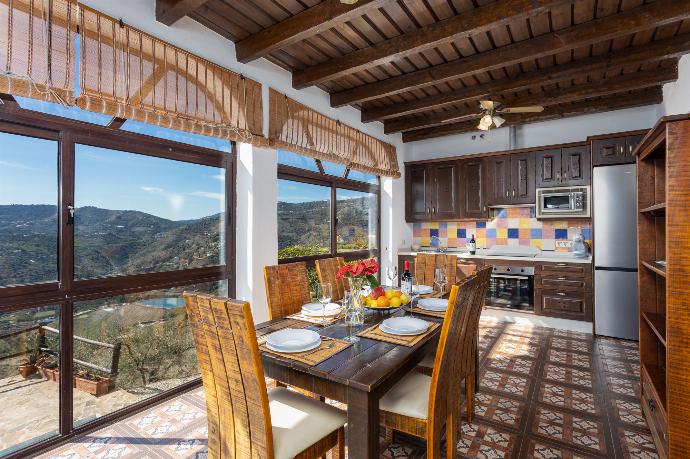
(382, 302)
(390, 294)
(398, 293)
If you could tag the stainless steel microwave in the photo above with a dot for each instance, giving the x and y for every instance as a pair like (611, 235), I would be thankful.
(564, 202)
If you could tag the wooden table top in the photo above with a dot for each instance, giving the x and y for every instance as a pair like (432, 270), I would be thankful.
(366, 364)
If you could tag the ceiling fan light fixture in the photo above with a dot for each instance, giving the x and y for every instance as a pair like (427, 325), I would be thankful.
(486, 120)
(482, 127)
(498, 121)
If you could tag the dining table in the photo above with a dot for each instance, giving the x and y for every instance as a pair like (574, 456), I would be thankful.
(358, 376)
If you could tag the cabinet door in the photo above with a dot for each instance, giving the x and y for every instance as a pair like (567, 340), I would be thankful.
(548, 168)
(472, 186)
(499, 179)
(609, 151)
(418, 186)
(445, 202)
(576, 169)
(631, 143)
(522, 179)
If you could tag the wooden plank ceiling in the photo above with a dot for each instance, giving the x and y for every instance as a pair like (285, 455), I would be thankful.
(421, 66)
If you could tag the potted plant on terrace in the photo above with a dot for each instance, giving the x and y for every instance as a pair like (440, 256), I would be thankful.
(48, 368)
(91, 384)
(28, 367)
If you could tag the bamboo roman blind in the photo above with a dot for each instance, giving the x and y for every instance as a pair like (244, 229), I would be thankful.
(129, 74)
(37, 49)
(297, 128)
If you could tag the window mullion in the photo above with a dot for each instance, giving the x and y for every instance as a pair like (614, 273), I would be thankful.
(334, 222)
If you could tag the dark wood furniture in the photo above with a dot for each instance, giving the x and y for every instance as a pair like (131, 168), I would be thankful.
(358, 376)
(473, 183)
(569, 166)
(564, 290)
(454, 361)
(512, 178)
(663, 222)
(616, 148)
(240, 419)
(432, 191)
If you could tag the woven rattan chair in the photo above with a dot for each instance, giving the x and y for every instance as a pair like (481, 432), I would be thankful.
(423, 405)
(244, 419)
(425, 265)
(287, 289)
(327, 269)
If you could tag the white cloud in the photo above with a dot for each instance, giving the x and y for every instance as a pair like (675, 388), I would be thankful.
(206, 194)
(175, 200)
(152, 189)
(220, 177)
(14, 165)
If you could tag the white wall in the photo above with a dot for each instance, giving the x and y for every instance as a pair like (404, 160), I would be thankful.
(257, 240)
(677, 93)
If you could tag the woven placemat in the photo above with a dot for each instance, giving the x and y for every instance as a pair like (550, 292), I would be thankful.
(418, 310)
(376, 333)
(328, 348)
(317, 320)
(284, 323)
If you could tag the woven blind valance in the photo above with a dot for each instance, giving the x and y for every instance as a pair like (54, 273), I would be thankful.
(37, 49)
(298, 128)
(129, 74)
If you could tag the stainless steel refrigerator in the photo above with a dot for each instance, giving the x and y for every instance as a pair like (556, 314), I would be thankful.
(614, 196)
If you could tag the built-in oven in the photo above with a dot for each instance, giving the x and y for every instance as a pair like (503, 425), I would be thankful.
(563, 202)
(511, 287)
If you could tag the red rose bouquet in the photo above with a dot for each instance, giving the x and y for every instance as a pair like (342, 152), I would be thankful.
(365, 270)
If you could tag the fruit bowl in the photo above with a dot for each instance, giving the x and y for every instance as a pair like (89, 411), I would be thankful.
(382, 299)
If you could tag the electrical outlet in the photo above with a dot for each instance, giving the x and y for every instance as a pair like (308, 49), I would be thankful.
(564, 244)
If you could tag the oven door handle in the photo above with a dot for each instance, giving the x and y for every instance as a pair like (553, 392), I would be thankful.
(508, 276)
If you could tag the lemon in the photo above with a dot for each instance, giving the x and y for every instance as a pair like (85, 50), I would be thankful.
(390, 294)
(404, 299)
(395, 302)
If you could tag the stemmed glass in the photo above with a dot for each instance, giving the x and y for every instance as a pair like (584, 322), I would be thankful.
(324, 295)
(440, 278)
(392, 274)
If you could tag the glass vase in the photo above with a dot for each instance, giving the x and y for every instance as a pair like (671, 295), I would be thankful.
(354, 309)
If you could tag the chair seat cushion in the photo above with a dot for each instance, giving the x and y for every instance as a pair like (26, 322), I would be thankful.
(428, 361)
(299, 421)
(409, 397)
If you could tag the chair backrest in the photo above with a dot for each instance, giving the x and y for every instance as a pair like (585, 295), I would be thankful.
(425, 265)
(327, 269)
(457, 343)
(239, 420)
(287, 288)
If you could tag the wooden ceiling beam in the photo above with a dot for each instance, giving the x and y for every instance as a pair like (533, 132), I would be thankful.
(478, 20)
(169, 12)
(606, 87)
(652, 52)
(616, 102)
(641, 18)
(301, 26)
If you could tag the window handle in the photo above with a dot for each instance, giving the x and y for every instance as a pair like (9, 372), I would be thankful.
(70, 215)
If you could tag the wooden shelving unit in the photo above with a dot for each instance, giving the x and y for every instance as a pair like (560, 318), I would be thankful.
(664, 289)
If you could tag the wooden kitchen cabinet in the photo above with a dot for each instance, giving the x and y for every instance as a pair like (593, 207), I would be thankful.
(564, 290)
(512, 179)
(615, 149)
(472, 187)
(417, 193)
(499, 180)
(432, 191)
(563, 167)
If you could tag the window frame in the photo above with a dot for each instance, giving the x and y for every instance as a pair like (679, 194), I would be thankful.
(296, 174)
(66, 290)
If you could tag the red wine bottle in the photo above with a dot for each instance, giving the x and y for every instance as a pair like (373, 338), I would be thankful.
(406, 280)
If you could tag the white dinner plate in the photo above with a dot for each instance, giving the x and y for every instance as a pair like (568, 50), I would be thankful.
(314, 309)
(422, 289)
(404, 326)
(433, 304)
(293, 340)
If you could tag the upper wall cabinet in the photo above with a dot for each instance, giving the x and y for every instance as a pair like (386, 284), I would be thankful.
(512, 179)
(432, 191)
(472, 186)
(563, 167)
(608, 151)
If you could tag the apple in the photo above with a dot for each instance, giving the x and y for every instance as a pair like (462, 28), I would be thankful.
(377, 292)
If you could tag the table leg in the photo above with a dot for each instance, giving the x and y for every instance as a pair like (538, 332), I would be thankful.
(362, 424)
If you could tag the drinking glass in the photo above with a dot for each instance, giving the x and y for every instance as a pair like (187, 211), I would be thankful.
(440, 278)
(392, 274)
(324, 295)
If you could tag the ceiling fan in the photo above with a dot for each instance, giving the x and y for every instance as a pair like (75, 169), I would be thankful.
(349, 2)
(490, 110)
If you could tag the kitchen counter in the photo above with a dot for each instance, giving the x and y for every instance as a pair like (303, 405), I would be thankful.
(545, 256)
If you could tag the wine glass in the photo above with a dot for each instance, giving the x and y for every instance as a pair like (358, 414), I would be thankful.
(392, 273)
(324, 295)
(440, 278)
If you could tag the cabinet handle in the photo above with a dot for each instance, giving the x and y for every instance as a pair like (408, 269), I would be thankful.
(565, 175)
(428, 210)
(513, 193)
(507, 193)
(433, 210)
(630, 149)
(560, 293)
(561, 264)
(484, 208)
(558, 176)
(561, 278)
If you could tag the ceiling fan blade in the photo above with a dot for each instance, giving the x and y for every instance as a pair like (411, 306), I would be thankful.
(528, 109)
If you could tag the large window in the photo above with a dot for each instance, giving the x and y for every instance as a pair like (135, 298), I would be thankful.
(322, 212)
(101, 230)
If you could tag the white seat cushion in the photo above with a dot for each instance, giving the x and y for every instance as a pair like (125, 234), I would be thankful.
(428, 361)
(409, 397)
(299, 421)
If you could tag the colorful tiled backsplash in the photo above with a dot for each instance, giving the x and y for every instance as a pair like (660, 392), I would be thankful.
(513, 226)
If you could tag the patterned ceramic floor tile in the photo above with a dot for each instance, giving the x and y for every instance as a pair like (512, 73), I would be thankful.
(569, 358)
(507, 383)
(502, 410)
(628, 412)
(571, 345)
(503, 362)
(620, 353)
(566, 397)
(572, 334)
(481, 441)
(570, 429)
(515, 348)
(621, 386)
(568, 375)
(637, 444)
(540, 450)
(623, 368)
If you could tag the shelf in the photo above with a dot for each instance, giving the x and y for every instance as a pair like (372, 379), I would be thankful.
(657, 376)
(655, 210)
(657, 323)
(656, 267)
